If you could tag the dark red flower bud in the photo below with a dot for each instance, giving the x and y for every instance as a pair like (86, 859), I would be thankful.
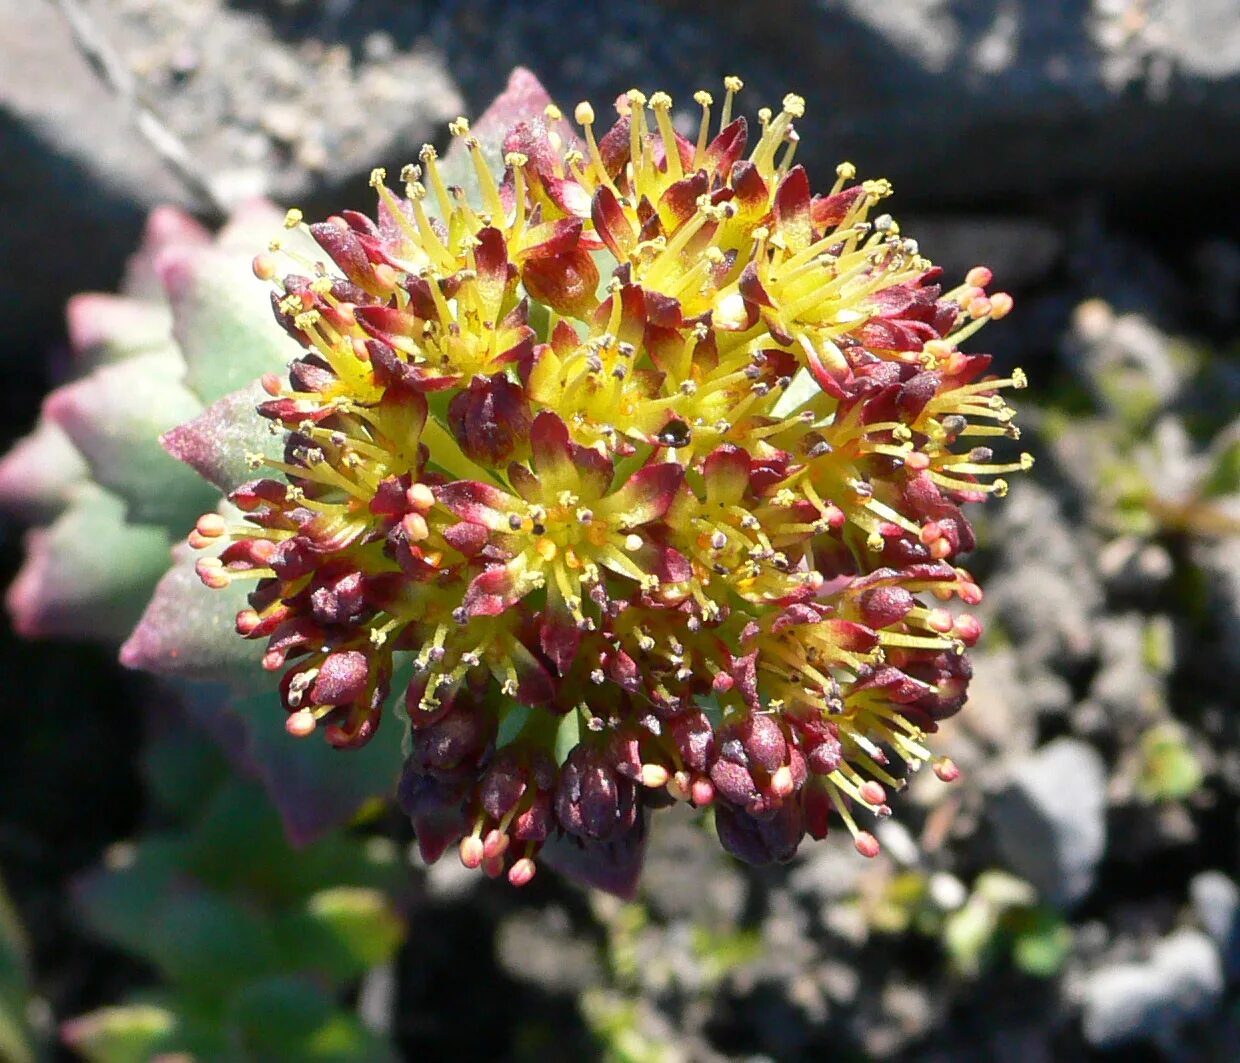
(884, 606)
(341, 680)
(761, 840)
(491, 419)
(592, 800)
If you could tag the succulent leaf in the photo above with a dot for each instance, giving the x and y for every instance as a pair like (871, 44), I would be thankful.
(88, 574)
(114, 417)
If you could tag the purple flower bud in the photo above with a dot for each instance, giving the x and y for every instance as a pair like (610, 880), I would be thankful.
(491, 419)
(592, 800)
(760, 840)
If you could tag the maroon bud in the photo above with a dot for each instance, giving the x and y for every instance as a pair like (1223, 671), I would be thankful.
(535, 823)
(503, 785)
(342, 678)
(733, 782)
(764, 741)
(593, 801)
(694, 738)
(455, 739)
(339, 600)
(437, 808)
(491, 419)
(764, 840)
(825, 757)
(884, 606)
(816, 808)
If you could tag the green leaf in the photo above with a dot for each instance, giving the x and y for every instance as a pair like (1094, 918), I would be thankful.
(291, 1020)
(89, 573)
(189, 631)
(116, 900)
(15, 1043)
(222, 317)
(220, 442)
(567, 735)
(115, 417)
(341, 933)
(315, 786)
(512, 720)
(129, 1033)
(1042, 943)
(1169, 770)
(1224, 475)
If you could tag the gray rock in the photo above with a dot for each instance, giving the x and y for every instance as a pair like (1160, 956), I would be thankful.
(1182, 981)
(954, 100)
(1049, 819)
(540, 947)
(1216, 900)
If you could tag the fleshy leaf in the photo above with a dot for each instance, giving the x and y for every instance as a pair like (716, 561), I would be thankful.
(166, 227)
(294, 1020)
(522, 100)
(342, 932)
(613, 867)
(127, 1033)
(314, 786)
(115, 416)
(38, 474)
(189, 631)
(89, 574)
(106, 328)
(217, 443)
(15, 1042)
(222, 320)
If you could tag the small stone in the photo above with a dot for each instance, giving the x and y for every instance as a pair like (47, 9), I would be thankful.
(1216, 900)
(1049, 819)
(1183, 980)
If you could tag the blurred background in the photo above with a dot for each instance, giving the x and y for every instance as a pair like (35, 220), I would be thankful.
(1074, 897)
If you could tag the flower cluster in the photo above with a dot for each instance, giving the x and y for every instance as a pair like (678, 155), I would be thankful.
(650, 462)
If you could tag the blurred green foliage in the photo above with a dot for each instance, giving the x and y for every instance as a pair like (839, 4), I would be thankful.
(254, 943)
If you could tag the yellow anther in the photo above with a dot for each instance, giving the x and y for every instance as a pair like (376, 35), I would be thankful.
(459, 127)
(516, 160)
(703, 98)
(764, 115)
(292, 218)
(552, 113)
(660, 101)
(427, 153)
(732, 83)
(636, 97)
(1019, 380)
(794, 105)
(846, 171)
(584, 113)
(377, 176)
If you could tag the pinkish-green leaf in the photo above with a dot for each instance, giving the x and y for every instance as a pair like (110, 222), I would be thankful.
(218, 443)
(89, 574)
(166, 227)
(188, 631)
(114, 416)
(222, 319)
(37, 475)
(107, 328)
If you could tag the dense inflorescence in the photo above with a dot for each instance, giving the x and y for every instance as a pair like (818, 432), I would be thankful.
(650, 462)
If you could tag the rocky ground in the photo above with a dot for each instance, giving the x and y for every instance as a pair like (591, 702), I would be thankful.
(1075, 896)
